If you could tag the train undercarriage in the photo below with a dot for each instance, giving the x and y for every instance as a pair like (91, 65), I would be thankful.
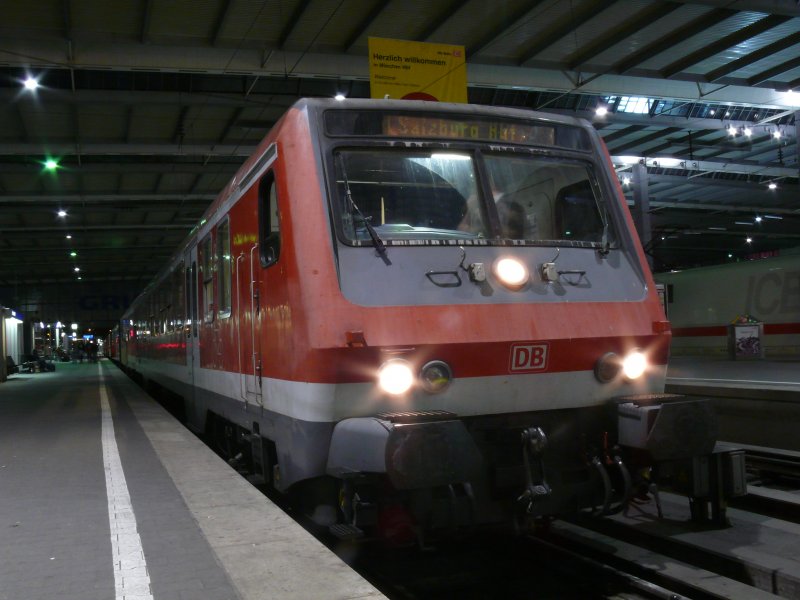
(407, 477)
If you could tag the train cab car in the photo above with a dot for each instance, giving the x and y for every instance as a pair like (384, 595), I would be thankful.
(437, 309)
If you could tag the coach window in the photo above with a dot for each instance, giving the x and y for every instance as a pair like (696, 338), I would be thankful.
(224, 268)
(207, 264)
(269, 231)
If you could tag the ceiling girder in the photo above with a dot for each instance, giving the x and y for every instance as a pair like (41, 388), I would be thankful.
(724, 43)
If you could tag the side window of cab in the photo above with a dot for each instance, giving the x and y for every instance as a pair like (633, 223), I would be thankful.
(269, 229)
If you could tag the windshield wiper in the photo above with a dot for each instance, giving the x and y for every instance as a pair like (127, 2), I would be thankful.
(380, 247)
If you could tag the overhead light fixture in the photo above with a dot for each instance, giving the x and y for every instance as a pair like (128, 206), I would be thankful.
(758, 219)
(77, 269)
(747, 131)
(73, 253)
(69, 237)
(732, 131)
(62, 213)
(51, 164)
(749, 240)
(743, 222)
(339, 97)
(730, 255)
(31, 83)
(601, 111)
(712, 112)
(626, 181)
(773, 185)
(669, 163)
(777, 134)
(773, 217)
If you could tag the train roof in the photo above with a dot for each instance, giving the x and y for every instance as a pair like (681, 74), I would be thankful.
(320, 104)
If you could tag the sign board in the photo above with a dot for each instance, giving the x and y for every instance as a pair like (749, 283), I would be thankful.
(744, 340)
(417, 71)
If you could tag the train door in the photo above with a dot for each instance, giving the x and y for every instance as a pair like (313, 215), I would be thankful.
(262, 256)
(249, 324)
(192, 342)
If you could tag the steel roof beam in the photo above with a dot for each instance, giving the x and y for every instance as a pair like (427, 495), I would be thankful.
(364, 24)
(776, 70)
(128, 149)
(643, 140)
(673, 39)
(763, 6)
(211, 60)
(622, 31)
(295, 17)
(511, 20)
(709, 50)
(707, 182)
(444, 16)
(753, 57)
(564, 27)
(219, 24)
(81, 228)
(724, 166)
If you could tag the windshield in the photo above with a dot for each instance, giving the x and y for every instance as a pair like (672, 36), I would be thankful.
(409, 196)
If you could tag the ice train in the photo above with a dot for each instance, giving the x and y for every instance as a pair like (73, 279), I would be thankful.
(702, 303)
(420, 316)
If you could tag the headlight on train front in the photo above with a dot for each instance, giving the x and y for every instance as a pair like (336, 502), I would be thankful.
(608, 367)
(634, 365)
(511, 273)
(435, 376)
(395, 377)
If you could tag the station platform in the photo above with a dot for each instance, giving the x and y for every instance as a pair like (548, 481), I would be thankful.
(768, 379)
(103, 494)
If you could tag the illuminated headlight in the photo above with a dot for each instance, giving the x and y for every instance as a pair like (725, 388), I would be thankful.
(435, 376)
(395, 377)
(511, 273)
(634, 365)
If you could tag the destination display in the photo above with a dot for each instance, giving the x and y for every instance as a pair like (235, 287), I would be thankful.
(456, 127)
(489, 131)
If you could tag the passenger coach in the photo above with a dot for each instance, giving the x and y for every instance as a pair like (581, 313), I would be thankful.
(435, 311)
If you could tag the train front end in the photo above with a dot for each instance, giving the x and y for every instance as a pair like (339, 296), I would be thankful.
(497, 345)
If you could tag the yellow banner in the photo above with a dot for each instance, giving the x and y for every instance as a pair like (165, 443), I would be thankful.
(417, 71)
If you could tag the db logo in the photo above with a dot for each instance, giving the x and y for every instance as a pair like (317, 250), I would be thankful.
(528, 357)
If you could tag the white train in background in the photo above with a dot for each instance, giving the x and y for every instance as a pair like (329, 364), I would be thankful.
(702, 302)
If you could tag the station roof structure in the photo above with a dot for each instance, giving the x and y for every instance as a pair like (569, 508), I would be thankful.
(148, 107)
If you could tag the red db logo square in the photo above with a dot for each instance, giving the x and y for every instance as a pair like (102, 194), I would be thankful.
(528, 357)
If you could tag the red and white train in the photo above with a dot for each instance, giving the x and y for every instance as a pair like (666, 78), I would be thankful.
(420, 313)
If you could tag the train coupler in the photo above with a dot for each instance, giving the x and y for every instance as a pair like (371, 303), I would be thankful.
(534, 441)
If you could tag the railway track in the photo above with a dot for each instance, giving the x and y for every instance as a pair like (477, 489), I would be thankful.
(770, 463)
